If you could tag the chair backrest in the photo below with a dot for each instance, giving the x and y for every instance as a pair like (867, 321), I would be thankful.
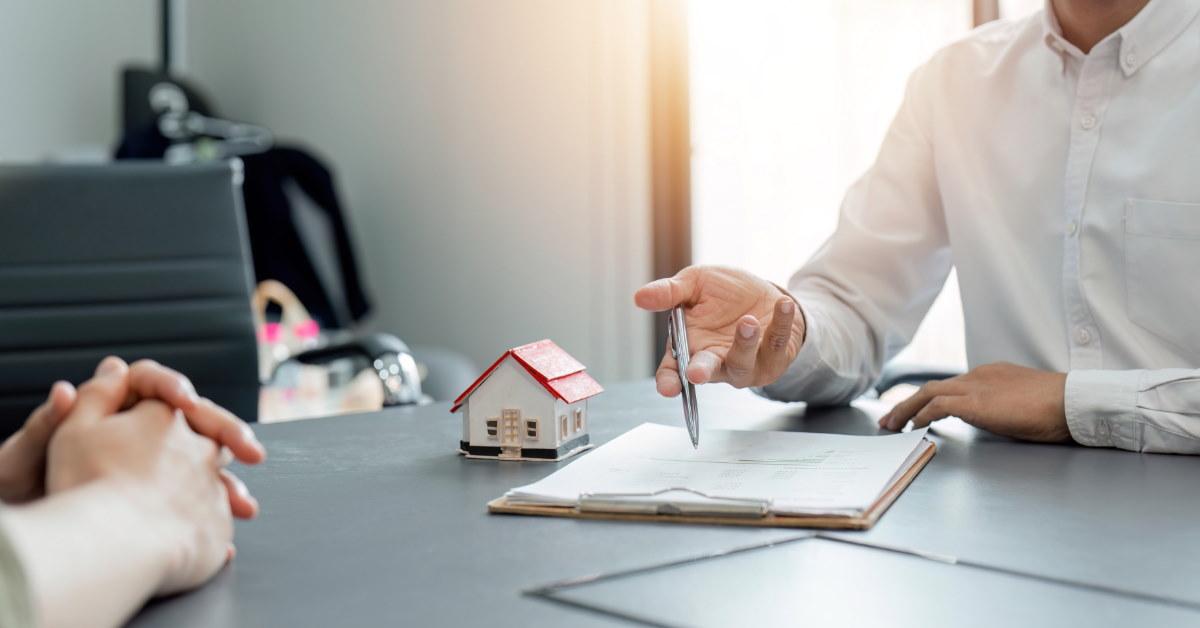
(139, 260)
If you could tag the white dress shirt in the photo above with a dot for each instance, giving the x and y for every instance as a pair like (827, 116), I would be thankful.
(1065, 190)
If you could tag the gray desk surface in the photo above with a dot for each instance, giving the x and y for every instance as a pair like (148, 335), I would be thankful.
(375, 520)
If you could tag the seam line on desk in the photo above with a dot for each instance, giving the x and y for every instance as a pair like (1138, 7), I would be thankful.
(1079, 584)
(547, 592)
(592, 578)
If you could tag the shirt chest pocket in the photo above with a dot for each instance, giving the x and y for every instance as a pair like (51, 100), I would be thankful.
(1162, 270)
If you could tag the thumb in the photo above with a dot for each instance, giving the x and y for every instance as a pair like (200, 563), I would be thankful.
(664, 294)
(45, 418)
(103, 394)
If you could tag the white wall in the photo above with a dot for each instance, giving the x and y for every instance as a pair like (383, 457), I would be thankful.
(59, 61)
(493, 156)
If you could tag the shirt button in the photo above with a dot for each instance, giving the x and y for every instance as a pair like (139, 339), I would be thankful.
(1130, 60)
(1083, 336)
(1088, 122)
(1072, 227)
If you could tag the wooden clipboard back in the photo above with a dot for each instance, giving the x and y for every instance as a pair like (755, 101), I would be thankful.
(864, 521)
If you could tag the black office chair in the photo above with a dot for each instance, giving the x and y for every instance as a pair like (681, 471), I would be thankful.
(139, 260)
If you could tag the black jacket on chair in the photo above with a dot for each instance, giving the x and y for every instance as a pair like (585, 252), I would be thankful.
(275, 240)
(276, 245)
(278, 249)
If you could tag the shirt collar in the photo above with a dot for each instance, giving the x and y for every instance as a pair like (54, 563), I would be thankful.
(1143, 37)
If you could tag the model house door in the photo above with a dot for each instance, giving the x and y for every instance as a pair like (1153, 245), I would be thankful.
(510, 433)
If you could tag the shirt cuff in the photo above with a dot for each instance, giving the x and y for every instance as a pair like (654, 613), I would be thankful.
(1101, 407)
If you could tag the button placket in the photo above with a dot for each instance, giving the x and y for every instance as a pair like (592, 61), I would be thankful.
(1090, 100)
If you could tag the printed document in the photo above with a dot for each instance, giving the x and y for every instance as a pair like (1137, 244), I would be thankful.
(789, 473)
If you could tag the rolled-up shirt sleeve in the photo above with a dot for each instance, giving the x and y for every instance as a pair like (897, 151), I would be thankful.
(16, 604)
(1154, 410)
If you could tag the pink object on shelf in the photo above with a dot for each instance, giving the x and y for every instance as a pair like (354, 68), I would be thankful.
(270, 332)
(307, 329)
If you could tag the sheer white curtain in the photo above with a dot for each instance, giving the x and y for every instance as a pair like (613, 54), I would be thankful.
(789, 103)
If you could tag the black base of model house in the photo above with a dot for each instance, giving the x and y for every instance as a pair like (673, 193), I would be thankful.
(548, 454)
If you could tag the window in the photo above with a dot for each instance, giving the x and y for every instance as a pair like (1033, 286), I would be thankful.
(492, 428)
(562, 425)
(578, 419)
(531, 429)
(789, 105)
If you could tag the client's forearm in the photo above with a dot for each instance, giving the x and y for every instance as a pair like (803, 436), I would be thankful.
(90, 555)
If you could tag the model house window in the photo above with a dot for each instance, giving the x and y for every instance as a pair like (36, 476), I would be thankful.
(578, 419)
(531, 428)
(562, 424)
(492, 426)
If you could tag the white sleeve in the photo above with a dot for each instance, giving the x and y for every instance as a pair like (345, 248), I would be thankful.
(1139, 410)
(864, 293)
(16, 601)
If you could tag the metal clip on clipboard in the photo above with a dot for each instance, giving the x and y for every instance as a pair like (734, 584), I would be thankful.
(642, 504)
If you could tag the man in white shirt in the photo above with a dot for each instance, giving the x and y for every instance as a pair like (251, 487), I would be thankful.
(1049, 161)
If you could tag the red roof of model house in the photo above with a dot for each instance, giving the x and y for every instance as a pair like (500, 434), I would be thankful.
(559, 373)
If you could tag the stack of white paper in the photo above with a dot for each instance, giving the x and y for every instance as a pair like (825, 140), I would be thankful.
(790, 473)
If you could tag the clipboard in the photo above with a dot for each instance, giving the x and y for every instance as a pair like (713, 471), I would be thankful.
(757, 515)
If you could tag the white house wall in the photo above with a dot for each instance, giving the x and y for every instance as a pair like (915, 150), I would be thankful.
(511, 386)
(562, 408)
(466, 423)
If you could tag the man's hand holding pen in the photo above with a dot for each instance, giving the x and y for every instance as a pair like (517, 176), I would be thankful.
(741, 329)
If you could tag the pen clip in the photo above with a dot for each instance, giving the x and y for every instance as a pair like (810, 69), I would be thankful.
(674, 340)
(641, 503)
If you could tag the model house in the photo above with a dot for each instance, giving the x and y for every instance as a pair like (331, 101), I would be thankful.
(530, 404)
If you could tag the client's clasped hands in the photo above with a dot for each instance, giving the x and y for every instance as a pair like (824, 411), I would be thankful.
(143, 433)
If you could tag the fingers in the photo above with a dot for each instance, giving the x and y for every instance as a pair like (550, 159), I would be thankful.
(664, 294)
(740, 360)
(907, 409)
(241, 503)
(42, 422)
(151, 380)
(221, 425)
(703, 366)
(23, 455)
(940, 408)
(155, 410)
(773, 357)
(666, 380)
(104, 393)
(61, 399)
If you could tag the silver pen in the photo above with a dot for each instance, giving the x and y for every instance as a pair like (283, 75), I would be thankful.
(677, 334)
